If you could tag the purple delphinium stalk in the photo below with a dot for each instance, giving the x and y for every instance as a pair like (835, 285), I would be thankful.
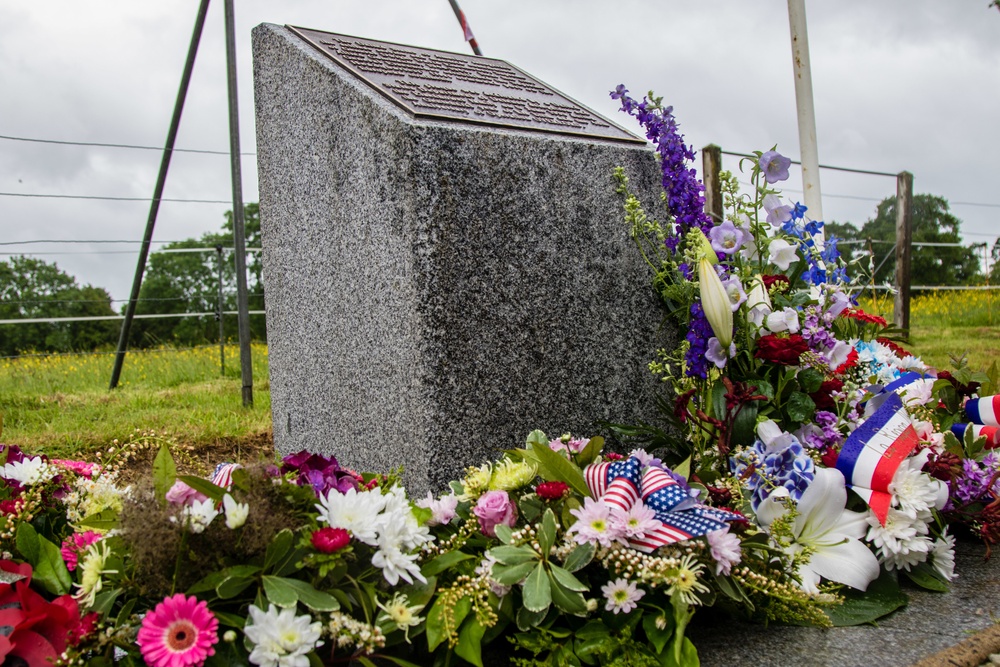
(699, 332)
(685, 202)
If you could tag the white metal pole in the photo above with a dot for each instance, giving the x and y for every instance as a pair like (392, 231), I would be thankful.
(806, 111)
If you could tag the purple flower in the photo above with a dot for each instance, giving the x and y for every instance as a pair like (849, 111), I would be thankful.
(320, 472)
(726, 238)
(699, 331)
(775, 166)
(716, 354)
(734, 290)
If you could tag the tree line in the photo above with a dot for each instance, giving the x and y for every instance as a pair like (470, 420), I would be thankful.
(172, 283)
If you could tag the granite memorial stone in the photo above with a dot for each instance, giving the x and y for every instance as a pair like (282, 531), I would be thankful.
(445, 260)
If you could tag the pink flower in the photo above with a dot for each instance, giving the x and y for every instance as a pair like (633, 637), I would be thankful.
(179, 632)
(494, 508)
(182, 494)
(442, 509)
(725, 548)
(594, 524)
(81, 468)
(330, 540)
(621, 595)
(573, 446)
(75, 545)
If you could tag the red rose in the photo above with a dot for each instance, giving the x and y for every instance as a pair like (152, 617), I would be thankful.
(823, 397)
(551, 490)
(778, 350)
(829, 457)
(330, 540)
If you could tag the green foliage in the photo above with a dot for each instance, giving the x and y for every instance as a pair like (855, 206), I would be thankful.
(33, 289)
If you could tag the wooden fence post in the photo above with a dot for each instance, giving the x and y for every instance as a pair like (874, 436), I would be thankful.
(711, 166)
(904, 239)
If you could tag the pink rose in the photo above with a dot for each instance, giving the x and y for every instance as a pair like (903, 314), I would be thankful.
(182, 494)
(492, 509)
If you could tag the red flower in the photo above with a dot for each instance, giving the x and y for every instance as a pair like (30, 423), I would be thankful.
(551, 490)
(823, 397)
(771, 281)
(614, 456)
(862, 316)
(39, 630)
(852, 361)
(895, 347)
(778, 350)
(829, 457)
(330, 540)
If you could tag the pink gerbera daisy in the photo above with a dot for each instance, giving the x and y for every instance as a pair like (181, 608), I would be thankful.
(179, 632)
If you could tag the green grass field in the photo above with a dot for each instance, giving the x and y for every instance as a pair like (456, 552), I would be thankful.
(61, 405)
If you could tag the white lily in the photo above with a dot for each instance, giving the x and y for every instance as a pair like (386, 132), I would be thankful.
(831, 533)
(715, 302)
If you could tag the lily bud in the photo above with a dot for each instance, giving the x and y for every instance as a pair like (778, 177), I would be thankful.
(715, 303)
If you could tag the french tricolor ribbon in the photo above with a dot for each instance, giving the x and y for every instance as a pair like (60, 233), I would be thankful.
(984, 410)
(895, 387)
(622, 484)
(223, 475)
(991, 433)
(874, 451)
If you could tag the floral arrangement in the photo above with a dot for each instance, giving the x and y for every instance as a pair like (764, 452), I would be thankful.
(809, 464)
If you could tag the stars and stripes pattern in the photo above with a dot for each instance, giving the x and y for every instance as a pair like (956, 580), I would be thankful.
(991, 433)
(622, 484)
(985, 410)
(223, 475)
(874, 451)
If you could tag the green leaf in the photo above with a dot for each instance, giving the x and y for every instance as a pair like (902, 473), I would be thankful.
(590, 452)
(686, 655)
(591, 639)
(503, 533)
(509, 575)
(684, 468)
(566, 579)
(719, 401)
(27, 542)
(537, 592)
(509, 555)
(580, 557)
(744, 426)
(50, 569)
(882, 597)
(312, 598)
(657, 637)
(561, 469)
(565, 599)
(279, 546)
(443, 562)
(530, 506)
(800, 407)
(230, 620)
(419, 592)
(925, 576)
(204, 486)
(216, 579)
(765, 388)
(103, 521)
(547, 534)
(470, 637)
(164, 473)
(527, 619)
(279, 593)
(435, 625)
(810, 380)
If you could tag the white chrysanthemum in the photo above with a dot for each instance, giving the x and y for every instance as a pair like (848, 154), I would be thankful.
(280, 638)
(355, 511)
(29, 472)
(395, 564)
(918, 392)
(915, 492)
(899, 527)
(911, 552)
(943, 556)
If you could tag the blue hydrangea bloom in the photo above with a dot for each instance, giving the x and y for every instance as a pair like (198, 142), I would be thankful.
(764, 468)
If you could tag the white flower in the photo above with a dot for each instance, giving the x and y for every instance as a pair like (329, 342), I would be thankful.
(29, 471)
(442, 509)
(91, 570)
(725, 549)
(781, 253)
(839, 353)
(402, 614)
(395, 564)
(758, 303)
(715, 302)
(236, 513)
(902, 542)
(786, 319)
(199, 514)
(943, 556)
(832, 533)
(353, 511)
(915, 492)
(918, 392)
(280, 638)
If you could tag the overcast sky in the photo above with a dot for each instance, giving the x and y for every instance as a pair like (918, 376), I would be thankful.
(899, 85)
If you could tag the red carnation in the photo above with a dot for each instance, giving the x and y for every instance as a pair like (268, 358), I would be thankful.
(551, 490)
(862, 316)
(823, 397)
(852, 361)
(829, 457)
(778, 350)
(330, 540)
(895, 347)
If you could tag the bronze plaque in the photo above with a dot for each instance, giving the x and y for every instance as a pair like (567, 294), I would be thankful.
(452, 86)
